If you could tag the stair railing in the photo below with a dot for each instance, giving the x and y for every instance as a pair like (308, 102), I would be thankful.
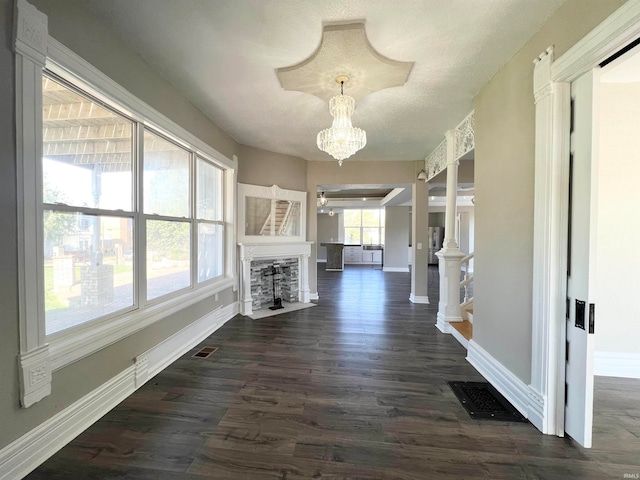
(466, 280)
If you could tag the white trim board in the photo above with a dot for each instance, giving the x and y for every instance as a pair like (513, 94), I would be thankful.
(615, 364)
(458, 336)
(396, 269)
(551, 92)
(500, 377)
(418, 298)
(26, 453)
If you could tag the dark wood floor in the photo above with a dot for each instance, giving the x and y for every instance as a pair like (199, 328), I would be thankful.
(353, 388)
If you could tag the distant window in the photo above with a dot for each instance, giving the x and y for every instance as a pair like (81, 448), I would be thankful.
(364, 226)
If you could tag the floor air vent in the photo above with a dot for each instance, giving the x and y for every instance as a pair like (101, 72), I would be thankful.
(483, 402)
(205, 352)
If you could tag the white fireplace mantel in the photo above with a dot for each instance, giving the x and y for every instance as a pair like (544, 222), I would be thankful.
(263, 251)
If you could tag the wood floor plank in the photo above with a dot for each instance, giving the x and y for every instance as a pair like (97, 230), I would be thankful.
(355, 388)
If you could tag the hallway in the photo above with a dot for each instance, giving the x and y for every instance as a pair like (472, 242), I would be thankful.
(352, 388)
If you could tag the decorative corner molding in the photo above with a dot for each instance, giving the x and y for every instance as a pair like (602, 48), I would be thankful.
(456, 144)
(142, 370)
(35, 376)
(465, 136)
(437, 161)
(31, 32)
(275, 192)
(542, 86)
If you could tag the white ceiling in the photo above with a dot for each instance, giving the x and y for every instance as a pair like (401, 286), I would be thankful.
(222, 54)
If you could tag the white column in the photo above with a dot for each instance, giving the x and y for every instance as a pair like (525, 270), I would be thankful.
(303, 278)
(246, 303)
(449, 257)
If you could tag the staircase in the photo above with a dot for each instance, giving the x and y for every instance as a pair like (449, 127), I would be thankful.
(279, 220)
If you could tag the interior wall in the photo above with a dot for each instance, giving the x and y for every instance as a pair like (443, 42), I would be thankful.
(618, 220)
(328, 231)
(437, 219)
(261, 167)
(504, 189)
(396, 232)
(83, 34)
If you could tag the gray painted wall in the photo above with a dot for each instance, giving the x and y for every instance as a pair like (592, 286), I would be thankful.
(397, 222)
(260, 167)
(328, 231)
(504, 184)
(437, 219)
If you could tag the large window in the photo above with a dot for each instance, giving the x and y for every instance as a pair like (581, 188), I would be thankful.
(364, 227)
(130, 215)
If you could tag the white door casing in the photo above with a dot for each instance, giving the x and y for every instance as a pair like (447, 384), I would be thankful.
(551, 86)
(581, 275)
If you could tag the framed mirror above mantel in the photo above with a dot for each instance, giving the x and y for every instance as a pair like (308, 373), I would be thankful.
(271, 214)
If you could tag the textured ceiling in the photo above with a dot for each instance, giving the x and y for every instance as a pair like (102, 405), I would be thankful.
(363, 70)
(223, 55)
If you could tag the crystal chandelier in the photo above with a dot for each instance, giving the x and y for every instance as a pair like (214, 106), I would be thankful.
(322, 201)
(343, 139)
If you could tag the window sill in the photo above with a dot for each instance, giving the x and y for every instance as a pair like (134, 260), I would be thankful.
(66, 348)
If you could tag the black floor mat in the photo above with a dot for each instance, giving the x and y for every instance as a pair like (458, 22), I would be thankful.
(483, 402)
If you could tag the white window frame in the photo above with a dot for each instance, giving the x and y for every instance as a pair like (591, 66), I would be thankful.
(380, 226)
(40, 354)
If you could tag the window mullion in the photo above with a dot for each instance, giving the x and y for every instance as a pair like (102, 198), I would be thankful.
(194, 222)
(140, 227)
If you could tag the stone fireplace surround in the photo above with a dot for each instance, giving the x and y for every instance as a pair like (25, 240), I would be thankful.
(277, 253)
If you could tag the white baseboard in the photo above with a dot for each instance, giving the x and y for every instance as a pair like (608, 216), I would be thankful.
(157, 358)
(321, 260)
(396, 269)
(418, 298)
(500, 377)
(441, 325)
(314, 296)
(26, 453)
(458, 336)
(22, 456)
(537, 411)
(614, 364)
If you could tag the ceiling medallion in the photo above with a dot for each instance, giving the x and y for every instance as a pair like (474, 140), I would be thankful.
(344, 51)
(343, 139)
